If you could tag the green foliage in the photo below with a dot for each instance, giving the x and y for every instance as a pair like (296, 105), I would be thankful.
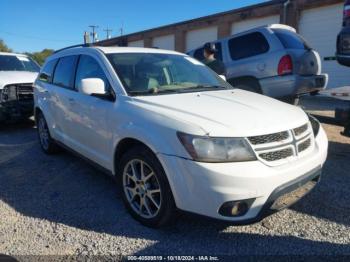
(4, 47)
(40, 57)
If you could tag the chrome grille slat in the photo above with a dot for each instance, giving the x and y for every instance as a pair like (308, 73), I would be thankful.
(271, 138)
(304, 145)
(300, 130)
(277, 155)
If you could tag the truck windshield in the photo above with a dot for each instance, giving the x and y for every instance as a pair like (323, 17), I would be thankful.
(291, 40)
(157, 73)
(17, 63)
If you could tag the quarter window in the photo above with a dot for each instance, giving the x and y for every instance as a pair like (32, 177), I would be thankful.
(248, 45)
(64, 73)
(89, 68)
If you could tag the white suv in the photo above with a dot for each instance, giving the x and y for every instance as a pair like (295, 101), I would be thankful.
(175, 135)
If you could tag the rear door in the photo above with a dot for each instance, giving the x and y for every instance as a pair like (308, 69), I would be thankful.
(62, 92)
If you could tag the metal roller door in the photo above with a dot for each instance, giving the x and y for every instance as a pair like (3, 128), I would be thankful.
(320, 27)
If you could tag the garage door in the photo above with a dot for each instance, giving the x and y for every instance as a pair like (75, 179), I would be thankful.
(164, 42)
(197, 38)
(252, 23)
(136, 43)
(320, 27)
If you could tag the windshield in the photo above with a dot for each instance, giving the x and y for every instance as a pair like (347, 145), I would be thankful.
(17, 63)
(154, 74)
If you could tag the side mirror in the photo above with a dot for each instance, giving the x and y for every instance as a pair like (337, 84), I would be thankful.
(92, 86)
(223, 77)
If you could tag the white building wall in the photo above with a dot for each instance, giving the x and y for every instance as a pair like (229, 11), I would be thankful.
(241, 26)
(164, 42)
(136, 43)
(320, 27)
(197, 38)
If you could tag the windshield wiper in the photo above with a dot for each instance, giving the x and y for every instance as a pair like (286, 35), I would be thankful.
(202, 88)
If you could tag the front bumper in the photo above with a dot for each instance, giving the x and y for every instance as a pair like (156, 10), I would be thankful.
(290, 85)
(203, 188)
(22, 106)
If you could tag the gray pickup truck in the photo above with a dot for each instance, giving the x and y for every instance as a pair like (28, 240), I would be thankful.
(272, 60)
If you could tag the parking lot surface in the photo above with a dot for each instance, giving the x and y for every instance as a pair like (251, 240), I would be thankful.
(58, 204)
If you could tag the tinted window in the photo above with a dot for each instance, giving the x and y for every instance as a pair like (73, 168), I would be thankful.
(64, 73)
(17, 63)
(47, 72)
(88, 67)
(198, 54)
(291, 40)
(248, 45)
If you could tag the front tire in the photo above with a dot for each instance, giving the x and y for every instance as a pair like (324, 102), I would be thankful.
(47, 144)
(145, 189)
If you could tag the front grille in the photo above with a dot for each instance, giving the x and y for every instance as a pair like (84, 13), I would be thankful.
(271, 138)
(300, 130)
(277, 155)
(17, 92)
(304, 145)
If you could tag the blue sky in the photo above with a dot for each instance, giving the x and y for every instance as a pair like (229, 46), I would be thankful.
(32, 25)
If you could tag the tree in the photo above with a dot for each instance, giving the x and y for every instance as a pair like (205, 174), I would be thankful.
(4, 47)
(40, 56)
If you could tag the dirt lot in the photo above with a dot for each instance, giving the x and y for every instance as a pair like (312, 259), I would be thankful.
(60, 205)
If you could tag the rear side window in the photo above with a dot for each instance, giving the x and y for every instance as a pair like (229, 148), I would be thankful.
(291, 40)
(89, 68)
(47, 72)
(198, 54)
(65, 70)
(248, 45)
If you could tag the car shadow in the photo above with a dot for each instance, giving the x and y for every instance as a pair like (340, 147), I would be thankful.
(64, 189)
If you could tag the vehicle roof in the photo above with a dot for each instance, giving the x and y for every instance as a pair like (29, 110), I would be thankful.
(117, 49)
(12, 54)
(109, 50)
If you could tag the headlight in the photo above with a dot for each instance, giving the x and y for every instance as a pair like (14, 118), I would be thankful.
(212, 149)
(9, 93)
(315, 124)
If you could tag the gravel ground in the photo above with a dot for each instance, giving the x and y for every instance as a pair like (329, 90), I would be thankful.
(59, 205)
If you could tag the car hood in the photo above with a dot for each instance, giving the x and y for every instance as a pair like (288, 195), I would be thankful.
(228, 113)
(16, 77)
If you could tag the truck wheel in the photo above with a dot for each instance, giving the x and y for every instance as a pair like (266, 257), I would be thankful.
(145, 189)
(47, 144)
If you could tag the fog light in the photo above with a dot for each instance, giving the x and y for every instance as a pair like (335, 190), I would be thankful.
(236, 208)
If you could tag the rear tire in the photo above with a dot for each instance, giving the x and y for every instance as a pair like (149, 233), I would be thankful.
(145, 189)
(47, 143)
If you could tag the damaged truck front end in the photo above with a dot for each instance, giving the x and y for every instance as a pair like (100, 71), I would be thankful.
(16, 102)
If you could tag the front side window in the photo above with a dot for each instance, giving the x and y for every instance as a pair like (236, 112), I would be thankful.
(248, 45)
(152, 74)
(18, 63)
(64, 73)
(88, 67)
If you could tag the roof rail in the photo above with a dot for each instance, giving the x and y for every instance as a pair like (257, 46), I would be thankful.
(80, 45)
